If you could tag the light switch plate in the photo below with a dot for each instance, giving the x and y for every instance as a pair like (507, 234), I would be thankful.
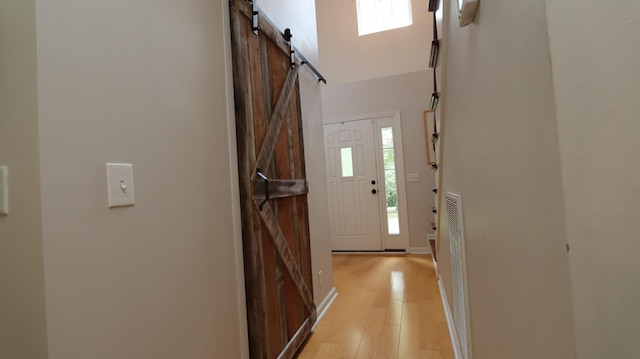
(4, 190)
(120, 190)
(413, 177)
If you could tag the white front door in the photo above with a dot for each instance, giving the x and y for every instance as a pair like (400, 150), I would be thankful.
(353, 186)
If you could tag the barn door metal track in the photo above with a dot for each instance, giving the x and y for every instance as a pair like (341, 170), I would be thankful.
(255, 21)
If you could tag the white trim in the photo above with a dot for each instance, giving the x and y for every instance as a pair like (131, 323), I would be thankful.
(393, 241)
(321, 310)
(241, 297)
(455, 343)
(371, 116)
(419, 250)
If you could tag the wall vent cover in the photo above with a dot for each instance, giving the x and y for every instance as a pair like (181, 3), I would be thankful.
(458, 272)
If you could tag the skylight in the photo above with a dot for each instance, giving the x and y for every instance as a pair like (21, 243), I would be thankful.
(382, 15)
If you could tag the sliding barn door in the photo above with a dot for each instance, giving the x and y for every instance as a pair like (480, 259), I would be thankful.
(273, 189)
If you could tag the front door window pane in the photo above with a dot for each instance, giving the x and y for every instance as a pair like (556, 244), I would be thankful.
(346, 160)
(389, 166)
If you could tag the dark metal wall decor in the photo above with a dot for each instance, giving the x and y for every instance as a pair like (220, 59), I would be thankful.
(435, 51)
(434, 5)
(433, 61)
(432, 128)
(435, 47)
(435, 98)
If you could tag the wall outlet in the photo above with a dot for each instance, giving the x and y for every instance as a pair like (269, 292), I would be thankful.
(320, 282)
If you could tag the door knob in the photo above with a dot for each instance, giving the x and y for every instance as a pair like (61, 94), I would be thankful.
(373, 181)
(374, 191)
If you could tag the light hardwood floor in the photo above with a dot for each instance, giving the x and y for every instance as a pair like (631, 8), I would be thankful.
(388, 306)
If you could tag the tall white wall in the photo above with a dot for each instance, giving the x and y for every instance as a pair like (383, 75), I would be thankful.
(346, 57)
(501, 155)
(300, 17)
(22, 308)
(406, 93)
(596, 75)
(145, 84)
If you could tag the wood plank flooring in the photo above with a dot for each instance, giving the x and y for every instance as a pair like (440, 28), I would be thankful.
(388, 306)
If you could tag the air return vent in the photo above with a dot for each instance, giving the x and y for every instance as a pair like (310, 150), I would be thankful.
(458, 272)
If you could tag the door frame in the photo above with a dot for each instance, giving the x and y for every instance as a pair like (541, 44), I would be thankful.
(238, 255)
(380, 119)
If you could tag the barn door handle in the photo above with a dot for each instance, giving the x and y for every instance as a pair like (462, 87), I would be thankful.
(266, 188)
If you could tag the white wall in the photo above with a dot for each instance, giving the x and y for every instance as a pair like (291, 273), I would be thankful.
(501, 155)
(300, 17)
(347, 57)
(22, 308)
(406, 93)
(123, 81)
(596, 72)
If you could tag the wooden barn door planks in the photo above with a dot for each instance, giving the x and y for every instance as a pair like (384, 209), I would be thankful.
(275, 232)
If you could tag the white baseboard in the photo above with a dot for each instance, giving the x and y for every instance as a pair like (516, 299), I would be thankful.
(373, 253)
(324, 306)
(420, 250)
(457, 350)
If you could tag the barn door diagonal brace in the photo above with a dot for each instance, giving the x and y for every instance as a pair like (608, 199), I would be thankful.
(289, 261)
(277, 117)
